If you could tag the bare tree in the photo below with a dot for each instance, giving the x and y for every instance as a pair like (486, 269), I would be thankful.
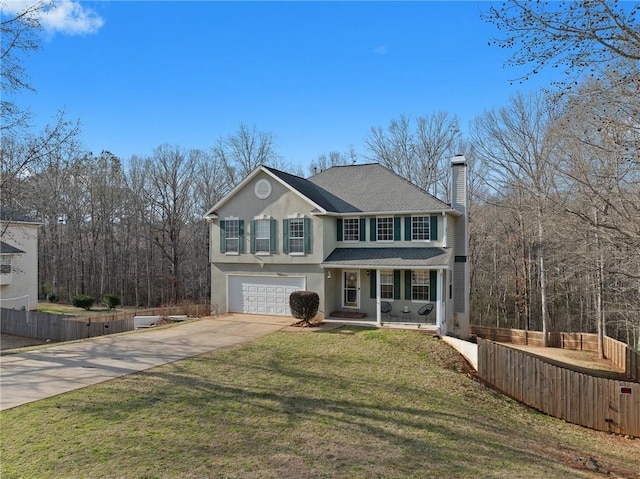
(577, 36)
(244, 151)
(170, 190)
(19, 36)
(418, 151)
(333, 158)
(514, 142)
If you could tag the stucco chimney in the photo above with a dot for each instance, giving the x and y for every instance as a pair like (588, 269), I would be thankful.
(461, 289)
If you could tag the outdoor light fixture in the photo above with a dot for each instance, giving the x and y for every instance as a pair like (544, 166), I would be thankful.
(328, 274)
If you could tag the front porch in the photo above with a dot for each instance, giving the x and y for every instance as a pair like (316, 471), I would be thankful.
(404, 289)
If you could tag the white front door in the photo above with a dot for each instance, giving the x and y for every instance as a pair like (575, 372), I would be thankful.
(351, 289)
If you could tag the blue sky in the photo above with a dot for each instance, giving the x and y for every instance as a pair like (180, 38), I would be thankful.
(317, 76)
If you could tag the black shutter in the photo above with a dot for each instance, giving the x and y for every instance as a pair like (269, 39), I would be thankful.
(307, 235)
(372, 229)
(272, 236)
(396, 228)
(372, 283)
(241, 236)
(433, 285)
(252, 236)
(363, 227)
(433, 228)
(407, 284)
(340, 228)
(223, 237)
(396, 284)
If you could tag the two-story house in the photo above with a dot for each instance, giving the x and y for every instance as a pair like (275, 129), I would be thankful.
(369, 242)
(18, 260)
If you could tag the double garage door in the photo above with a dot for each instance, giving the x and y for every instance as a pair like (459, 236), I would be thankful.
(262, 294)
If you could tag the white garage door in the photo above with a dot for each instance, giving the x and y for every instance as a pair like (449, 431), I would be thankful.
(262, 294)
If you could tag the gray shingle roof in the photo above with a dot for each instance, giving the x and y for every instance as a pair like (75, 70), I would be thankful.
(315, 193)
(370, 188)
(388, 257)
(374, 188)
(8, 249)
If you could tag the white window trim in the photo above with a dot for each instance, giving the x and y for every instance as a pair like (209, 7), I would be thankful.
(344, 229)
(421, 301)
(428, 221)
(263, 218)
(391, 299)
(301, 217)
(232, 253)
(392, 229)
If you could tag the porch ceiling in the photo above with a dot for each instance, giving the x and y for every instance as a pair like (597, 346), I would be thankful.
(375, 258)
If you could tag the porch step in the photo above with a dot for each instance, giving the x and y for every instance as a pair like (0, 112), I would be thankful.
(348, 315)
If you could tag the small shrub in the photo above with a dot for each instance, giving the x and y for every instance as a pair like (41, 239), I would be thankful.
(111, 300)
(304, 305)
(83, 301)
(52, 297)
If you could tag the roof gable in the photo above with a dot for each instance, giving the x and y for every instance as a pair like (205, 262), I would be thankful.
(370, 188)
(292, 182)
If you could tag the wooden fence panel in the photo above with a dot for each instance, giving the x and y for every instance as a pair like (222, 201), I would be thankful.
(57, 327)
(598, 403)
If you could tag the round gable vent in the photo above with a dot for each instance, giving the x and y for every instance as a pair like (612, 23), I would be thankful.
(262, 189)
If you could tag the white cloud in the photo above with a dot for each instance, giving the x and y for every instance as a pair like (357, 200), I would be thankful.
(66, 16)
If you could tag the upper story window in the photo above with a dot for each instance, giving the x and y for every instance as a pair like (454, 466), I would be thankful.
(5, 264)
(296, 235)
(420, 285)
(386, 285)
(262, 236)
(232, 236)
(351, 229)
(384, 228)
(420, 228)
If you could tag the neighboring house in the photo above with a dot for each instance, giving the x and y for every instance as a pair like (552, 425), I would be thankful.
(18, 260)
(362, 237)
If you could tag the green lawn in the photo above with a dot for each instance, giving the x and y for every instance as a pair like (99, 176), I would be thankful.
(350, 403)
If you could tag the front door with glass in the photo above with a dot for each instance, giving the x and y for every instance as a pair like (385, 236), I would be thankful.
(351, 296)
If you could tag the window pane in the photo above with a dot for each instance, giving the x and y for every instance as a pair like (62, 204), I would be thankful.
(232, 232)
(420, 228)
(263, 235)
(351, 229)
(385, 229)
(420, 285)
(296, 235)
(386, 284)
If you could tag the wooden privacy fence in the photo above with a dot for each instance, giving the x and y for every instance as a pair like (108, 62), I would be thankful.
(58, 327)
(620, 355)
(598, 403)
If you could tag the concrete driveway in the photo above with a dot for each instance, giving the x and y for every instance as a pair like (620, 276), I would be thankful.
(34, 375)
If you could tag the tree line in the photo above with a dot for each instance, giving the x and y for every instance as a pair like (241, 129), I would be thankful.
(554, 181)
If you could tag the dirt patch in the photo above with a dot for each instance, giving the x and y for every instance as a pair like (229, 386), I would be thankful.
(9, 341)
(586, 362)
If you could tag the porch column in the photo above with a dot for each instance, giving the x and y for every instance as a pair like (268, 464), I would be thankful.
(440, 313)
(378, 305)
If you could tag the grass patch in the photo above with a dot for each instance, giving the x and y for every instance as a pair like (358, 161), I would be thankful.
(63, 308)
(351, 403)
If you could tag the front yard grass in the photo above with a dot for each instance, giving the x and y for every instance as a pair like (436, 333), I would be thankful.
(349, 403)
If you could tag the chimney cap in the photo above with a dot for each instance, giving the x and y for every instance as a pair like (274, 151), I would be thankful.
(458, 160)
